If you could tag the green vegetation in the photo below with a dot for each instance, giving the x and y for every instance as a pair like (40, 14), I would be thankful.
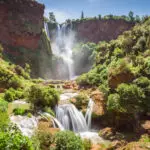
(19, 111)
(41, 96)
(67, 140)
(12, 139)
(83, 56)
(12, 94)
(81, 100)
(122, 72)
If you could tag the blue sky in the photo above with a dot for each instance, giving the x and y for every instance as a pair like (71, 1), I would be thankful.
(64, 9)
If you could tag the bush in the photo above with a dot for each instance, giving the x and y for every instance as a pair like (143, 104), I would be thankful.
(87, 144)
(131, 97)
(22, 72)
(41, 96)
(43, 140)
(12, 139)
(81, 100)
(113, 103)
(49, 110)
(3, 105)
(12, 94)
(4, 120)
(67, 140)
(19, 111)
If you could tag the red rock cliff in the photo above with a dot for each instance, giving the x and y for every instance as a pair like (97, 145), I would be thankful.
(102, 30)
(21, 23)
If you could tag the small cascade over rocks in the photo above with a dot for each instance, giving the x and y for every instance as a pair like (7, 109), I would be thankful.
(71, 118)
(25, 124)
(88, 115)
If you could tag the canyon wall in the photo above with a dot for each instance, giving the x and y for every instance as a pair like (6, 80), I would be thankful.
(101, 30)
(22, 34)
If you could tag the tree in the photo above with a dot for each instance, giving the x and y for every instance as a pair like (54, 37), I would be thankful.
(131, 16)
(99, 17)
(82, 15)
(137, 18)
(52, 18)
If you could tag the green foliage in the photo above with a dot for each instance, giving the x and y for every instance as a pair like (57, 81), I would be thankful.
(19, 111)
(12, 94)
(3, 105)
(67, 140)
(49, 110)
(52, 18)
(131, 97)
(81, 100)
(42, 140)
(87, 144)
(41, 96)
(113, 103)
(23, 72)
(4, 120)
(14, 140)
(131, 16)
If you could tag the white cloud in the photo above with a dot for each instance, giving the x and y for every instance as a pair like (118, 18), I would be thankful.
(61, 16)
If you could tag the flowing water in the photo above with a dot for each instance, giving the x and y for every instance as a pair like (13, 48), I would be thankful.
(26, 125)
(62, 46)
(71, 118)
(88, 115)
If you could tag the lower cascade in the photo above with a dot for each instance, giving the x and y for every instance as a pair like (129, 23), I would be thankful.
(88, 115)
(71, 118)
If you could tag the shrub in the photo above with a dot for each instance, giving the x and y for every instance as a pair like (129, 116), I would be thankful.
(113, 103)
(19, 111)
(4, 120)
(142, 82)
(12, 94)
(41, 96)
(22, 72)
(131, 97)
(12, 139)
(49, 110)
(118, 52)
(81, 100)
(3, 105)
(67, 140)
(43, 140)
(87, 144)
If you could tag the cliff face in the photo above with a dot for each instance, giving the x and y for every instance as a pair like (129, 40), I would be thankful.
(101, 30)
(21, 23)
(22, 34)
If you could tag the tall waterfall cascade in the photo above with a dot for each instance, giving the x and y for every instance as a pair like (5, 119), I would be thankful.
(62, 41)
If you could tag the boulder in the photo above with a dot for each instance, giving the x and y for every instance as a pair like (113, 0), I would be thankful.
(99, 103)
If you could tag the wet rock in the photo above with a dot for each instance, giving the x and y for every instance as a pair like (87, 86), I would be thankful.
(99, 106)
(47, 126)
(70, 85)
(146, 126)
(107, 133)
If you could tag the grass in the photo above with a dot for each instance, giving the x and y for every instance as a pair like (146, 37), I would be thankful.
(12, 106)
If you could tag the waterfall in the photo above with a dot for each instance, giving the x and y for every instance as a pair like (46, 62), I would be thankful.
(88, 115)
(46, 29)
(62, 46)
(71, 118)
(55, 122)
